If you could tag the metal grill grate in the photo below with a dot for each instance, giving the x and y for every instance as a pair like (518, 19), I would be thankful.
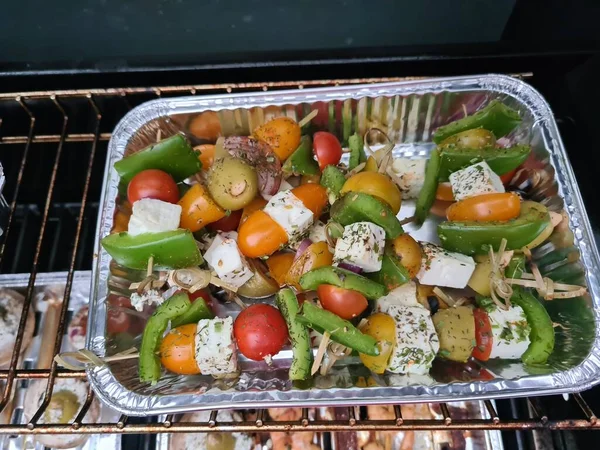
(53, 148)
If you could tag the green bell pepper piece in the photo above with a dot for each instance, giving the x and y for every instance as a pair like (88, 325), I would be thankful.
(340, 330)
(471, 238)
(149, 362)
(344, 279)
(430, 184)
(302, 162)
(198, 311)
(171, 249)
(500, 160)
(542, 331)
(333, 180)
(173, 155)
(357, 151)
(515, 267)
(360, 207)
(495, 117)
(392, 273)
(302, 356)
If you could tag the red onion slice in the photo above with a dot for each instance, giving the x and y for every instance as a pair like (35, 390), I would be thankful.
(302, 248)
(350, 267)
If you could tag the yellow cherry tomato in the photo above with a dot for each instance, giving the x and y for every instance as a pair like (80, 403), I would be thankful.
(282, 134)
(409, 252)
(279, 265)
(371, 165)
(383, 328)
(315, 256)
(377, 185)
(198, 209)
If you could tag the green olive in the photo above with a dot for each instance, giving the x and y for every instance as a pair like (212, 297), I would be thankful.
(220, 441)
(476, 138)
(232, 183)
(64, 401)
(456, 329)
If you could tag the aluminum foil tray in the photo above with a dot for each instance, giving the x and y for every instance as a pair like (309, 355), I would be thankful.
(408, 112)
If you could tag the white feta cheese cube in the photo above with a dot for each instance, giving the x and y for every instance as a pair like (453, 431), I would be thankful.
(215, 348)
(153, 216)
(224, 257)
(411, 175)
(405, 295)
(283, 186)
(475, 180)
(417, 342)
(150, 297)
(290, 213)
(361, 245)
(510, 332)
(440, 267)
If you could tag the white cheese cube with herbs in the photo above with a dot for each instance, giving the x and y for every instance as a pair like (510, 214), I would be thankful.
(475, 180)
(215, 348)
(417, 342)
(361, 245)
(405, 295)
(290, 213)
(440, 267)
(224, 257)
(510, 332)
(153, 216)
(409, 176)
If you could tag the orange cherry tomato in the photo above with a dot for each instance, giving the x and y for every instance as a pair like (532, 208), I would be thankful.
(282, 134)
(279, 265)
(255, 205)
(198, 209)
(508, 176)
(314, 197)
(440, 207)
(346, 303)
(260, 235)
(444, 192)
(178, 350)
(316, 255)
(206, 125)
(207, 155)
(486, 208)
(483, 335)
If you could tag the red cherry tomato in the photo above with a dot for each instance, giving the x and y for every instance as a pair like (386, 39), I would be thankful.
(346, 303)
(227, 223)
(153, 183)
(326, 148)
(483, 335)
(118, 320)
(260, 331)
